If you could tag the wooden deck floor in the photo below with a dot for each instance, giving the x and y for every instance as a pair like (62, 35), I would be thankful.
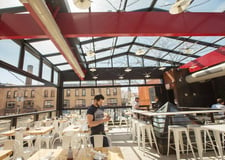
(122, 138)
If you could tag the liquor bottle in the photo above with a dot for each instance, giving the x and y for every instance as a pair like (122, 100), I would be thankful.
(70, 154)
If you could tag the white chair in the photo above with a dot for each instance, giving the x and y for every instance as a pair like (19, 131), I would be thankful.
(177, 131)
(142, 127)
(98, 140)
(198, 138)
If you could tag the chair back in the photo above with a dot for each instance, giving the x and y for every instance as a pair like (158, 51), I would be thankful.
(100, 140)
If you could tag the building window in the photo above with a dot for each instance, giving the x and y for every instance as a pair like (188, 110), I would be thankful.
(45, 93)
(66, 103)
(83, 92)
(48, 104)
(92, 91)
(32, 94)
(28, 104)
(114, 91)
(25, 93)
(52, 93)
(112, 102)
(9, 94)
(99, 91)
(68, 92)
(15, 94)
(108, 91)
(80, 103)
(11, 104)
(76, 92)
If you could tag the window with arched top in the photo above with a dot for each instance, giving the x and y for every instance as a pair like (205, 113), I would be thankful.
(45, 93)
(9, 93)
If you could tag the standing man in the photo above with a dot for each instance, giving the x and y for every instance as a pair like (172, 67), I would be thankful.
(219, 105)
(96, 118)
(136, 103)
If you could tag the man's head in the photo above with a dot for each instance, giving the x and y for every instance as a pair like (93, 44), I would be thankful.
(220, 100)
(99, 100)
(137, 99)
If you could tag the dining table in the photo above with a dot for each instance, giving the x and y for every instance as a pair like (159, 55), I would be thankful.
(45, 154)
(5, 153)
(109, 153)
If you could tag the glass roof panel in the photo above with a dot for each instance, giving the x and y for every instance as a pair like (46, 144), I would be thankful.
(81, 39)
(167, 43)
(10, 3)
(174, 57)
(209, 39)
(137, 4)
(207, 6)
(186, 60)
(104, 44)
(121, 50)
(64, 67)
(196, 6)
(45, 47)
(156, 53)
(120, 61)
(221, 42)
(135, 61)
(122, 40)
(103, 54)
(146, 40)
(57, 59)
(164, 64)
(149, 63)
(99, 6)
(134, 48)
(189, 48)
(205, 51)
(104, 64)
(88, 58)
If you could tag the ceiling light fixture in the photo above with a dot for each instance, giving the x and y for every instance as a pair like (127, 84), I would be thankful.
(92, 69)
(162, 68)
(90, 53)
(128, 69)
(180, 6)
(147, 75)
(140, 52)
(95, 77)
(121, 77)
(40, 12)
(82, 4)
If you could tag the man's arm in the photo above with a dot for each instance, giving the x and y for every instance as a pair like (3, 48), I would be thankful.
(92, 123)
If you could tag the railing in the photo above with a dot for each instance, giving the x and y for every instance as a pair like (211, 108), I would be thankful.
(14, 119)
(114, 111)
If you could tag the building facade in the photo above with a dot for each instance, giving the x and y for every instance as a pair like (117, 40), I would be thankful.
(16, 100)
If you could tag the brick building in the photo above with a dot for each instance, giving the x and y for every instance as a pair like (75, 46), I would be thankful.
(28, 99)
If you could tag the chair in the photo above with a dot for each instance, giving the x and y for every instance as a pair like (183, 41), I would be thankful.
(178, 139)
(97, 140)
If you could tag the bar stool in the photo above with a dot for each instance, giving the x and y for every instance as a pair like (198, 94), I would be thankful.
(134, 127)
(142, 127)
(198, 138)
(178, 139)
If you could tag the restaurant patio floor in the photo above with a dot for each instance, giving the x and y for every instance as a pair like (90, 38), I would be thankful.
(120, 137)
